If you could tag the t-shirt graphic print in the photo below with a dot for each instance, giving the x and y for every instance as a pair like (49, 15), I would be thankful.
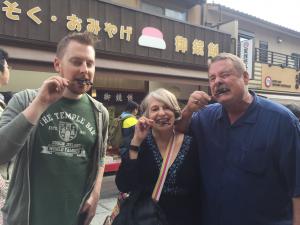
(61, 161)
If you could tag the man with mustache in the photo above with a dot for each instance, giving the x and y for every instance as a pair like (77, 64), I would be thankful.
(58, 134)
(249, 149)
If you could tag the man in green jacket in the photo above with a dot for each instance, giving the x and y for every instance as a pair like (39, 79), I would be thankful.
(58, 134)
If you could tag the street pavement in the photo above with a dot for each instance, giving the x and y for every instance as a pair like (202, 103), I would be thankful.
(104, 209)
(107, 201)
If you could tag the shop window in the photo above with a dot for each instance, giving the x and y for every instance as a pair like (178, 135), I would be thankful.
(164, 11)
(296, 58)
(175, 14)
(263, 51)
(243, 36)
(152, 8)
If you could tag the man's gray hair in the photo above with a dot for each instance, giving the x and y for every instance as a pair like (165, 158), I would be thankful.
(238, 64)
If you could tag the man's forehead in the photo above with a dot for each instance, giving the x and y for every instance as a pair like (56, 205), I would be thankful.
(222, 65)
(74, 43)
(77, 50)
(223, 62)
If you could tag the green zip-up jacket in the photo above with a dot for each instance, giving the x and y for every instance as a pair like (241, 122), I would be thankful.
(17, 138)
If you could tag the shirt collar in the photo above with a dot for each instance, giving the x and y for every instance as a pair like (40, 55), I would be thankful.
(250, 116)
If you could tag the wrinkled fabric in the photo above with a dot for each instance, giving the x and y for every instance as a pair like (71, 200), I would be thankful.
(3, 192)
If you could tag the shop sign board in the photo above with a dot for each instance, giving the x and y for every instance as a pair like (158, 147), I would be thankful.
(116, 97)
(123, 31)
(275, 78)
(246, 54)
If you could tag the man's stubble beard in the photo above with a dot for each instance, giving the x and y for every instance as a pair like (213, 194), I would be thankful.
(77, 91)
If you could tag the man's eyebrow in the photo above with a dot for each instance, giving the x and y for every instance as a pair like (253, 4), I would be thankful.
(81, 59)
(226, 71)
(222, 72)
(76, 57)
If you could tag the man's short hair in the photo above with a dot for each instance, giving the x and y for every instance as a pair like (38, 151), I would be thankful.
(165, 97)
(3, 58)
(85, 38)
(131, 105)
(238, 64)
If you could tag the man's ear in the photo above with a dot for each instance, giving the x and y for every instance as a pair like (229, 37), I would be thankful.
(246, 77)
(56, 64)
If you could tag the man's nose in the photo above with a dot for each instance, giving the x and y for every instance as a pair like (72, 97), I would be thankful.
(83, 68)
(218, 80)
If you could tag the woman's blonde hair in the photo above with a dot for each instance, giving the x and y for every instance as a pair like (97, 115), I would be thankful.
(165, 97)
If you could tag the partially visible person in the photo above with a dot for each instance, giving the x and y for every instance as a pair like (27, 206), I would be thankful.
(126, 123)
(5, 168)
(58, 134)
(3, 192)
(140, 170)
(4, 76)
(2, 100)
(129, 121)
(294, 109)
(249, 151)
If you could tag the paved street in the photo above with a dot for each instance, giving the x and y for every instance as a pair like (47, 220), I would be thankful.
(107, 201)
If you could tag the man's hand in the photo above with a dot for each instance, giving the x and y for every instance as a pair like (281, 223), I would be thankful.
(51, 90)
(197, 100)
(296, 211)
(89, 207)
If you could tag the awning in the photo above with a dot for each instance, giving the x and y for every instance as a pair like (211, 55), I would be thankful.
(283, 99)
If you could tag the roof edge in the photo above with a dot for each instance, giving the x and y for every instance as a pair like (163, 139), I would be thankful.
(258, 21)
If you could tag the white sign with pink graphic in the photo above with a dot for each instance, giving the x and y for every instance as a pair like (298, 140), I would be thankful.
(152, 37)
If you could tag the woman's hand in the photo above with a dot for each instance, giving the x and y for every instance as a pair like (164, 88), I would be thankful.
(141, 130)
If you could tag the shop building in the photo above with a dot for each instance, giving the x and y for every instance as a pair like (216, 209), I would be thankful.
(144, 45)
(271, 52)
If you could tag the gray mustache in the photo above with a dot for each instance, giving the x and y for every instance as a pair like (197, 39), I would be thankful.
(222, 89)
